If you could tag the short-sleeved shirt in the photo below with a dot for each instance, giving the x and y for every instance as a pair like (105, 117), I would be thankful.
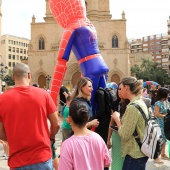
(84, 152)
(65, 115)
(24, 112)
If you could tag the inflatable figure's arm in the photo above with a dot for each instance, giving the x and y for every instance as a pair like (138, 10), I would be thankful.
(63, 57)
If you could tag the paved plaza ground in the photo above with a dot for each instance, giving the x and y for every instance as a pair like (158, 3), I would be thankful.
(150, 164)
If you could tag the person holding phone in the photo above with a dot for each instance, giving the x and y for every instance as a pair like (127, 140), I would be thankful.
(131, 88)
(118, 105)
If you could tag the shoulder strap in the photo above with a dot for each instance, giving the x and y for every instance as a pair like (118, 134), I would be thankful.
(141, 111)
(144, 116)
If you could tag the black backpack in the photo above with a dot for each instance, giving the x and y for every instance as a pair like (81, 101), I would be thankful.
(108, 99)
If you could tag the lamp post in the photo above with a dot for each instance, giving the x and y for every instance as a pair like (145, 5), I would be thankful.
(48, 78)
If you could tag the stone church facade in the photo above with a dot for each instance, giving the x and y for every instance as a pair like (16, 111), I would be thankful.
(46, 36)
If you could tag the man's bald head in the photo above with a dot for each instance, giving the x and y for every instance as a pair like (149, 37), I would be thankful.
(21, 70)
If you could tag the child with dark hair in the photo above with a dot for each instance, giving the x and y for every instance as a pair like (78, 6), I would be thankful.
(85, 149)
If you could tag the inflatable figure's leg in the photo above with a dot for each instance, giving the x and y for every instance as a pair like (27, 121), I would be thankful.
(103, 81)
(98, 81)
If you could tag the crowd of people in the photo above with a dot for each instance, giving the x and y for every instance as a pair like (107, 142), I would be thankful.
(29, 122)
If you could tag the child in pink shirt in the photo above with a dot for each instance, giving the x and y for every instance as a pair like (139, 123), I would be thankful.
(85, 150)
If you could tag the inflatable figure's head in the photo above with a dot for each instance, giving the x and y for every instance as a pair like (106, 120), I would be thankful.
(67, 11)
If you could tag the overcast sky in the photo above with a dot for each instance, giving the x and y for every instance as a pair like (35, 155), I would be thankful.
(144, 17)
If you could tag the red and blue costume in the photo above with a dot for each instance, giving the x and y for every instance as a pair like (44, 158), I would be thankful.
(80, 36)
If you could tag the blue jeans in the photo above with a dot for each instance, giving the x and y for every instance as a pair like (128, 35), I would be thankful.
(62, 110)
(134, 164)
(47, 165)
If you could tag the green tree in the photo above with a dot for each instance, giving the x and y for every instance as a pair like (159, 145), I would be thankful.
(150, 71)
(8, 79)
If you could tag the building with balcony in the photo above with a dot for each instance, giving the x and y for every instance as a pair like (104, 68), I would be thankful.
(136, 46)
(156, 45)
(165, 53)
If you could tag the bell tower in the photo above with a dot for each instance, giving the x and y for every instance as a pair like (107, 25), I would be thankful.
(48, 15)
(98, 10)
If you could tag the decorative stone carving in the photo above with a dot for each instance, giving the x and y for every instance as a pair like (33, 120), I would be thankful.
(55, 46)
(115, 62)
(41, 63)
(101, 45)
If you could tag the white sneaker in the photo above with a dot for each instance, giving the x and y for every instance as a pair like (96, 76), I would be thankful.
(6, 156)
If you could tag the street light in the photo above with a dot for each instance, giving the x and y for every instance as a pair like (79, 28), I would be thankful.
(48, 78)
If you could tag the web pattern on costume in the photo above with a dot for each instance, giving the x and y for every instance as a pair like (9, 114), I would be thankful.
(64, 11)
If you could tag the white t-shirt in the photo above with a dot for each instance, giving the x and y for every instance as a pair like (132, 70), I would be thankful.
(88, 152)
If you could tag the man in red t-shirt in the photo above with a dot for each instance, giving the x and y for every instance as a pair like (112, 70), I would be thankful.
(23, 122)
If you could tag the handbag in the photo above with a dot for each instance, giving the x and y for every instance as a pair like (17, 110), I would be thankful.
(167, 125)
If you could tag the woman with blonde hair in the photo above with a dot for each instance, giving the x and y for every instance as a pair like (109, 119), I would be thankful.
(132, 120)
(83, 93)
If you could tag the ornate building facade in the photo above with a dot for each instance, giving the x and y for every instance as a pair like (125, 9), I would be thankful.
(46, 36)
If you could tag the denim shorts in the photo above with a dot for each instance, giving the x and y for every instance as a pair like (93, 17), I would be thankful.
(47, 165)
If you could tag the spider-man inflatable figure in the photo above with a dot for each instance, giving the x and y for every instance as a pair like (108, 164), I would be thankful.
(80, 36)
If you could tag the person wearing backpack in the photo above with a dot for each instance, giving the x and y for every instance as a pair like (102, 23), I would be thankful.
(131, 88)
(160, 110)
(115, 144)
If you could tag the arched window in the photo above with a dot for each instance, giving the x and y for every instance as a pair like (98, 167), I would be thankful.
(41, 44)
(114, 42)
